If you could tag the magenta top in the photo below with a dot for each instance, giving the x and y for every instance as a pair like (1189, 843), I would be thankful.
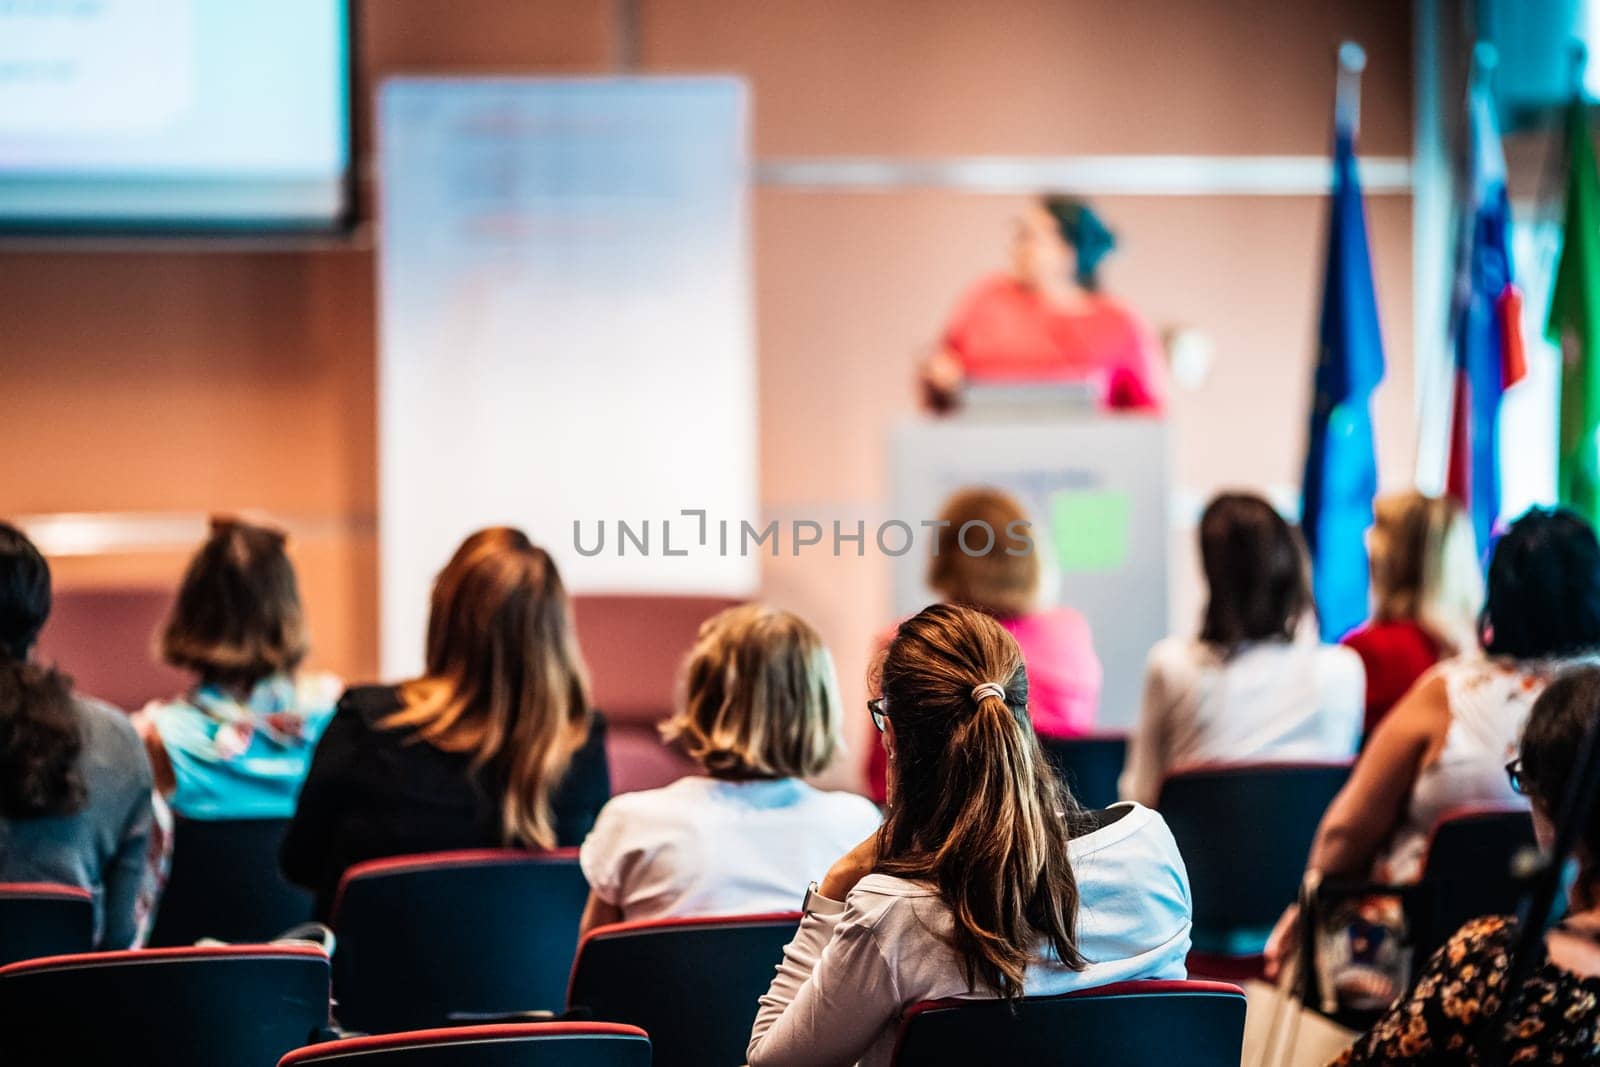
(1063, 671)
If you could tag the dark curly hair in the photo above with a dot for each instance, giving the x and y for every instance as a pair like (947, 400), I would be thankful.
(1543, 593)
(40, 736)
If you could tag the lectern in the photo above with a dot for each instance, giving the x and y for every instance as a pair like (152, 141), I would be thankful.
(1096, 486)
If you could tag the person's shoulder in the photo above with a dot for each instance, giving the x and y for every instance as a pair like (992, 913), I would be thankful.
(1060, 622)
(667, 804)
(317, 693)
(1340, 664)
(361, 710)
(102, 718)
(844, 806)
(997, 282)
(109, 733)
(879, 899)
(369, 702)
(1485, 936)
(1177, 656)
(1135, 849)
(167, 714)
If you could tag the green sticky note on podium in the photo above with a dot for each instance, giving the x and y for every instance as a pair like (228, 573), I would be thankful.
(1089, 530)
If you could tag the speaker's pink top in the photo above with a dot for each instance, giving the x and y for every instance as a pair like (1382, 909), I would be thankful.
(1005, 332)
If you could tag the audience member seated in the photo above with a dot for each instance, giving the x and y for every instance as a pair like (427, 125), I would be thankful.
(75, 786)
(1255, 684)
(991, 572)
(1427, 589)
(495, 745)
(986, 880)
(1445, 744)
(760, 710)
(1552, 1020)
(237, 745)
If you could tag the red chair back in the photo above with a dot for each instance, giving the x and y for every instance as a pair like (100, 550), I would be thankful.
(692, 984)
(546, 1044)
(242, 1005)
(1131, 1024)
(44, 920)
(428, 938)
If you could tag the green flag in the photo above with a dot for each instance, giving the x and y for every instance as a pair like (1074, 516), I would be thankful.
(1575, 317)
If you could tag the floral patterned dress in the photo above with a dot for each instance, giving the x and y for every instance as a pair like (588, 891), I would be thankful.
(1441, 1020)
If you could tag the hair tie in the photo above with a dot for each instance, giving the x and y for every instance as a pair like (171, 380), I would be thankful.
(988, 689)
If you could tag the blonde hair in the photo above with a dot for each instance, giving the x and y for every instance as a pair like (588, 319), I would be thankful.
(759, 698)
(1425, 568)
(504, 681)
(1002, 579)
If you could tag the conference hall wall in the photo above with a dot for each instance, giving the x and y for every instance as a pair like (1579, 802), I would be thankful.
(151, 385)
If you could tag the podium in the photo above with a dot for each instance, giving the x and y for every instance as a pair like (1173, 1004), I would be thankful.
(1096, 487)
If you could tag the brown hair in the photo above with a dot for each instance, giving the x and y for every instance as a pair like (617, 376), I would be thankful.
(1255, 568)
(237, 618)
(504, 680)
(759, 697)
(973, 805)
(995, 570)
(1425, 567)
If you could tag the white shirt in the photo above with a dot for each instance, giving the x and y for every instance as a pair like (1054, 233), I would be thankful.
(846, 978)
(1489, 701)
(1277, 700)
(703, 846)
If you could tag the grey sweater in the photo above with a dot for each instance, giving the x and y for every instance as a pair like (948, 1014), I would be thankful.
(101, 848)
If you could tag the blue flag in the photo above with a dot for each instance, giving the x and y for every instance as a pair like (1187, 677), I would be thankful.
(1341, 474)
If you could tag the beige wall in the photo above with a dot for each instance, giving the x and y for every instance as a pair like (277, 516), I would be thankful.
(192, 380)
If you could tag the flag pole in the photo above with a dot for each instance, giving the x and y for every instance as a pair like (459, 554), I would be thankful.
(1347, 96)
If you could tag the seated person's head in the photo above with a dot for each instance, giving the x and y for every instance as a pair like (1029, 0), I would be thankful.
(1255, 568)
(974, 807)
(984, 555)
(1425, 567)
(237, 618)
(759, 698)
(1543, 592)
(504, 681)
(40, 739)
(24, 594)
(1546, 759)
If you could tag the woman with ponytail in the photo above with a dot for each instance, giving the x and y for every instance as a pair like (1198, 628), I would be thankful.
(986, 879)
(75, 786)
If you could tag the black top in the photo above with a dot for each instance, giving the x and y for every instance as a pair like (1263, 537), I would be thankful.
(373, 792)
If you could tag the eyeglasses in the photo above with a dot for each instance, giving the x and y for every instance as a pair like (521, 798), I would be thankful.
(1519, 784)
(875, 709)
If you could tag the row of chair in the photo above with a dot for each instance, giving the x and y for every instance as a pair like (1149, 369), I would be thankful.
(253, 1006)
(521, 931)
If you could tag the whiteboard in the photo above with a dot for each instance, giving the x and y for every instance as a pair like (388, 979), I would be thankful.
(565, 331)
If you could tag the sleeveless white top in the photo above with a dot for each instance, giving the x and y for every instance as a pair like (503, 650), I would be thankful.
(1489, 701)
